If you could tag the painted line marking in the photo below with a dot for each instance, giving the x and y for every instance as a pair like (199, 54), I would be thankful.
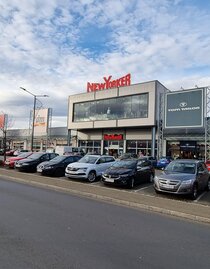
(199, 197)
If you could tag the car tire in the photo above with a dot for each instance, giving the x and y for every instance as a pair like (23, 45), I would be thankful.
(208, 185)
(91, 176)
(131, 183)
(194, 193)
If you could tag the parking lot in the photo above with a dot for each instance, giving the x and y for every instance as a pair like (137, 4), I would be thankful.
(143, 189)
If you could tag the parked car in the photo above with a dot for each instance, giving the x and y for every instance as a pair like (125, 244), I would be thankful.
(129, 173)
(163, 162)
(57, 166)
(19, 151)
(10, 152)
(208, 165)
(10, 162)
(183, 177)
(29, 164)
(89, 167)
(153, 160)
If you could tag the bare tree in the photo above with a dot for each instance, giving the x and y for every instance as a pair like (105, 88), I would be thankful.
(5, 123)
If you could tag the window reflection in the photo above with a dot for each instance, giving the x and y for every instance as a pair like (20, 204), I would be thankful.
(126, 107)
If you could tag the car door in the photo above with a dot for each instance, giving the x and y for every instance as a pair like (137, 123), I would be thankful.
(143, 170)
(67, 161)
(103, 163)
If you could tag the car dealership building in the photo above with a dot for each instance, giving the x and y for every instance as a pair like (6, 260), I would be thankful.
(146, 119)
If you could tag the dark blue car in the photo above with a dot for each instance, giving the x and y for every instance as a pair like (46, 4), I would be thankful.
(163, 162)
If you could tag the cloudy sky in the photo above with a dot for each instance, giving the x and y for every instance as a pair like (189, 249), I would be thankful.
(55, 47)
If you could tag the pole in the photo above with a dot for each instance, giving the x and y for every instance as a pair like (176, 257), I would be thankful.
(34, 111)
(33, 121)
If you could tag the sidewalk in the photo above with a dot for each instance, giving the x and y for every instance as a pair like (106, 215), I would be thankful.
(183, 209)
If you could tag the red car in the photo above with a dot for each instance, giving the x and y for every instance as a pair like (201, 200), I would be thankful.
(10, 162)
(208, 164)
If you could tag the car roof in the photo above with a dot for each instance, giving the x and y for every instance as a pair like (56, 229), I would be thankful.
(95, 155)
(187, 161)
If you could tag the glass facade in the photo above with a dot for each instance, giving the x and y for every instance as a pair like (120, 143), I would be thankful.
(139, 147)
(127, 107)
(91, 146)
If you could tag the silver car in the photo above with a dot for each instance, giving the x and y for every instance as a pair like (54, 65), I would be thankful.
(183, 177)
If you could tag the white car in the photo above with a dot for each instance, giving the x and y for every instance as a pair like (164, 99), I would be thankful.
(89, 167)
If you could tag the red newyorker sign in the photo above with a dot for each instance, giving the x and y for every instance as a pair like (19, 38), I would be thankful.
(108, 83)
(113, 137)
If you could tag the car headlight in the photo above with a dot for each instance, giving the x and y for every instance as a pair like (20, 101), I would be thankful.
(48, 167)
(125, 175)
(187, 182)
(84, 169)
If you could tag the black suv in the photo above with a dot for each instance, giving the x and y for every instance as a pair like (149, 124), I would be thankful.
(29, 164)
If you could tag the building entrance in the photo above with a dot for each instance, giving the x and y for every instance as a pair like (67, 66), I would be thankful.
(114, 148)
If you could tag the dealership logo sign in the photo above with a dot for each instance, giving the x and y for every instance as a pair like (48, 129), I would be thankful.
(183, 106)
(108, 83)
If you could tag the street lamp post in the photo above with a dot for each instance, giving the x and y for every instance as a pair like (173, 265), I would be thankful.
(33, 121)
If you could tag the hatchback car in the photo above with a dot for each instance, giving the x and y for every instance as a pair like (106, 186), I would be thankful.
(29, 164)
(89, 167)
(56, 166)
(129, 173)
(183, 177)
(10, 162)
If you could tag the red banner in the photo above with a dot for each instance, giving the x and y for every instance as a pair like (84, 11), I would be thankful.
(113, 137)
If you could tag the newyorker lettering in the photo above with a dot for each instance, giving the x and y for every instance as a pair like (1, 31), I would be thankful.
(108, 84)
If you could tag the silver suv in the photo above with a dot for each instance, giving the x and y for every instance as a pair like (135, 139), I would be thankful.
(183, 177)
(89, 167)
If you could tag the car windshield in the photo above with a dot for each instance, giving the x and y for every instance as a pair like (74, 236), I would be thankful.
(88, 159)
(124, 164)
(181, 167)
(35, 155)
(58, 159)
(24, 155)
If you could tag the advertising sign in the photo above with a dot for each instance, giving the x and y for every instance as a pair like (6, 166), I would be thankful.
(41, 122)
(113, 137)
(2, 121)
(184, 109)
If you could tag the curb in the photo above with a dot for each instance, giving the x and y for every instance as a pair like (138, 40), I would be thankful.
(115, 201)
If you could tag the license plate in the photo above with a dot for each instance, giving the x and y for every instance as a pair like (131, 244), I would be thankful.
(168, 186)
(72, 172)
(39, 170)
(17, 165)
(109, 180)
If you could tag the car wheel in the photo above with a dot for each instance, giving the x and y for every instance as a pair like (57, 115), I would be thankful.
(91, 176)
(131, 183)
(194, 193)
(151, 179)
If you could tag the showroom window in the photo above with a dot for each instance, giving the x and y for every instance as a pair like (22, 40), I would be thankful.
(126, 107)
